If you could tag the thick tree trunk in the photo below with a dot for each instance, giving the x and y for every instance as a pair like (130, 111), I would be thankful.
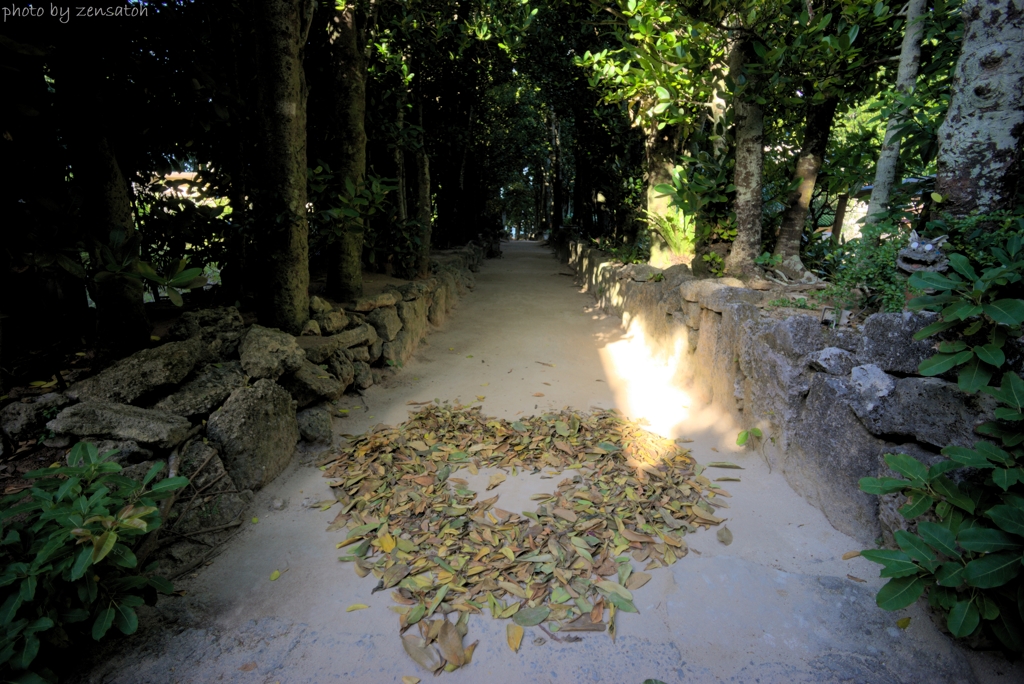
(749, 122)
(812, 154)
(280, 201)
(662, 151)
(422, 212)
(557, 189)
(906, 79)
(980, 142)
(837, 222)
(401, 193)
(345, 34)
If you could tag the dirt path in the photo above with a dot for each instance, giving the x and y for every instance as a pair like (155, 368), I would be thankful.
(775, 606)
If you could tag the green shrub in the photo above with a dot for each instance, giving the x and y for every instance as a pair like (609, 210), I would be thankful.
(868, 264)
(969, 558)
(67, 556)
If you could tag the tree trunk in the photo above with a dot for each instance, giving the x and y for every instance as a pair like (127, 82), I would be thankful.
(837, 222)
(400, 193)
(980, 142)
(749, 121)
(906, 79)
(422, 211)
(662, 151)
(557, 190)
(347, 154)
(812, 154)
(280, 199)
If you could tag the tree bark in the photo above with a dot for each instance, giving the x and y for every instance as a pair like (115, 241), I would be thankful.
(749, 122)
(906, 79)
(422, 211)
(837, 222)
(980, 142)
(808, 164)
(280, 200)
(346, 37)
(662, 151)
(557, 189)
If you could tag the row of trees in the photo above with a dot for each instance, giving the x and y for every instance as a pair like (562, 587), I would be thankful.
(328, 137)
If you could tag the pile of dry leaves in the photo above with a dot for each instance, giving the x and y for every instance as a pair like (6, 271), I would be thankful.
(424, 534)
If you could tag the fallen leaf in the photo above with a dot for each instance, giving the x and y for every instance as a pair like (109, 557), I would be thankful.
(356, 606)
(584, 624)
(496, 480)
(248, 667)
(637, 580)
(425, 655)
(450, 642)
(538, 394)
(724, 464)
(255, 520)
(529, 617)
(564, 514)
(903, 623)
(514, 634)
(274, 575)
(410, 680)
(394, 575)
(856, 579)
(850, 554)
(725, 535)
(549, 365)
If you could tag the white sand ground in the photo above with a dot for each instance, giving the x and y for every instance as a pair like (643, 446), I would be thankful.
(775, 606)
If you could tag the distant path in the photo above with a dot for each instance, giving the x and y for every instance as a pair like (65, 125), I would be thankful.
(775, 606)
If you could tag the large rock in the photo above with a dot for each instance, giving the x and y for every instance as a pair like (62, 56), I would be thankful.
(332, 322)
(315, 424)
(319, 306)
(221, 328)
(120, 421)
(341, 367)
(363, 377)
(369, 303)
(797, 336)
(222, 502)
(888, 341)
(144, 375)
(831, 451)
(205, 392)
(413, 315)
(270, 353)
(311, 383)
(385, 321)
(320, 349)
(931, 410)
(256, 432)
(25, 420)
(833, 360)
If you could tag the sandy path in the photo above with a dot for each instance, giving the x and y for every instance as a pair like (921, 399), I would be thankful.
(775, 606)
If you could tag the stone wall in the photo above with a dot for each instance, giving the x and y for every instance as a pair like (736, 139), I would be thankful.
(829, 401)
(228, 405)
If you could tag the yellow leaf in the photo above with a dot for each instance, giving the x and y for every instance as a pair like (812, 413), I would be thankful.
(345, 543)
(356, 606)
(515, 636)
(480, 397)
(387, 543)
(274, 575)
(903, 623)
(255, 520)
(507, 552)
(154, 338)
(410, 680)
(850, 554)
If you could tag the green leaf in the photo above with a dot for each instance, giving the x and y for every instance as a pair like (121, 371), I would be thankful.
(897, 563)
(940, 363)
(940, 538)
(930, 330)
(993, 570)
(986, 540)
(1006, 477)
(882, 485)
(918, 504)
(915, 547)
(951, 492)
(993, 453)
(967, 457)
(1006, 311)
(104, 619)
(963, 619)
(900, 592)
(125, 619)
(991, 354)
(930, 280)
(962, 265)
(907, 466)
(622, 603)
(1007, 518)
(974, 375)
(950, 574)
(1010, 391)
(10, 608)
(175, 297)
(742, 438)
(170, 484)
(82, 562)
(103, 545)
(530, 617)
